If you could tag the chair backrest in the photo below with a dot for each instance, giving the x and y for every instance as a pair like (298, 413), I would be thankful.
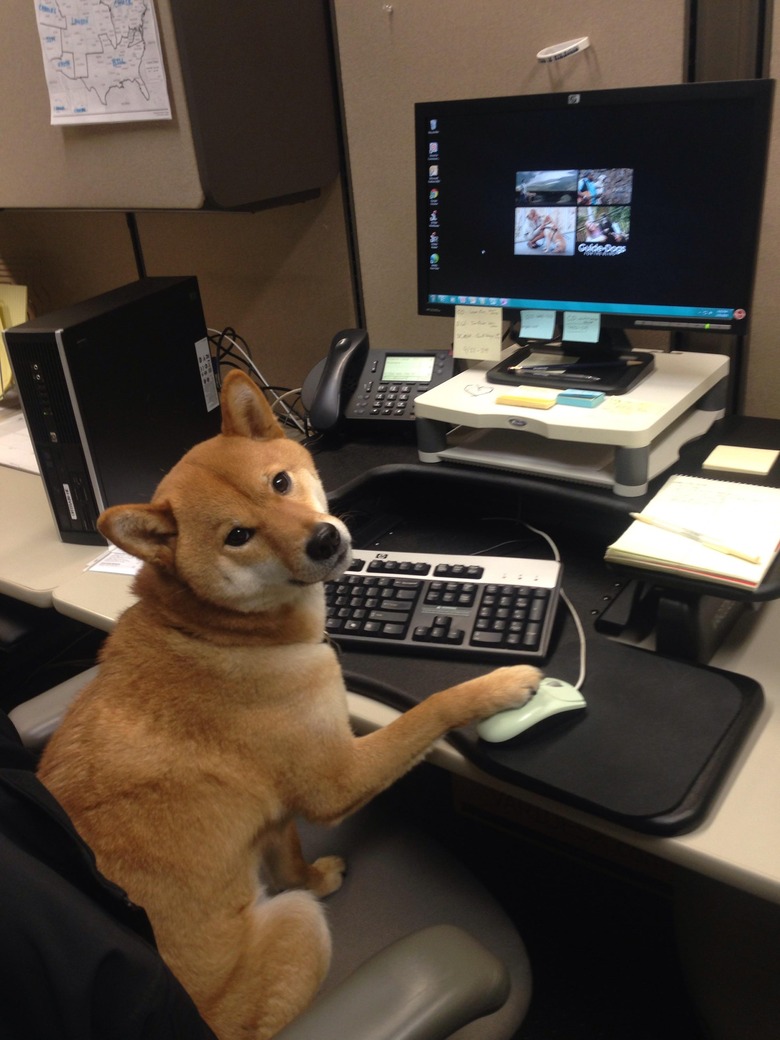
(35, 720)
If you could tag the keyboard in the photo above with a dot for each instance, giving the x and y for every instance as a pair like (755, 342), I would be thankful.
(464, 605)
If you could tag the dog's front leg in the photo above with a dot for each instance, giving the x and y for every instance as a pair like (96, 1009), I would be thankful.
(367, 765)
(286, 868)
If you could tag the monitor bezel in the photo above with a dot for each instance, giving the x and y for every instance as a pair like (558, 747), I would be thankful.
(758, 92)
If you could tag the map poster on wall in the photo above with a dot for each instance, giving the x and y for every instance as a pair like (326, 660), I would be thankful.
(103, 61)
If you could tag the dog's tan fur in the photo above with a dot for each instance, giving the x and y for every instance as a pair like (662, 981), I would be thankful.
(219, 714)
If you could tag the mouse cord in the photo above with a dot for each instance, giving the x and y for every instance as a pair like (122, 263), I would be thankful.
(572, 610)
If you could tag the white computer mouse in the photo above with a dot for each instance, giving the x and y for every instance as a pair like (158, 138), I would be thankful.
(552, 697)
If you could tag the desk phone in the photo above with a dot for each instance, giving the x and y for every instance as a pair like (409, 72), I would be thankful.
(355, 383)
(390, 383)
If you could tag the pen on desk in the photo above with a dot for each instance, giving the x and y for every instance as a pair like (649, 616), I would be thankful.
(558, 373)
(576, 366)
(696, 536)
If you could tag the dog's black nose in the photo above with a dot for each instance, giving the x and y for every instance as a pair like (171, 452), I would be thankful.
(324, 542)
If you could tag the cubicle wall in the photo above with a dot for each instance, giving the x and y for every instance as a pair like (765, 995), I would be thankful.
(396, 53)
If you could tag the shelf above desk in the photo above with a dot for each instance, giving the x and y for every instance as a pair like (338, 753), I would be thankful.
(623, 444)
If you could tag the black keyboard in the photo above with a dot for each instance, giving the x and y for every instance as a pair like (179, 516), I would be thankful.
(465, 605)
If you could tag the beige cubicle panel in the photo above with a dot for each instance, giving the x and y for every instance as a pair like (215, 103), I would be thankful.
(394, 54)
(253, 115)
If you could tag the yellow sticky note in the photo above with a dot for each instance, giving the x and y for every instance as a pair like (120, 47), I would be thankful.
(733, 459)
(477, 333)
(529, 397)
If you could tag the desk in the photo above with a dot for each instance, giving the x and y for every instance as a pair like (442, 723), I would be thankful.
(738, 843)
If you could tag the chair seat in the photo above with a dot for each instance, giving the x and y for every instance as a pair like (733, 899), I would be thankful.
(400, 880)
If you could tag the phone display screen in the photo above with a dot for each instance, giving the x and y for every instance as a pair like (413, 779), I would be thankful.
(407, 368)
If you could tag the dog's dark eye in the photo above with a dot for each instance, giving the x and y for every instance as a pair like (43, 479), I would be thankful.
(281, 483)
(239, 536)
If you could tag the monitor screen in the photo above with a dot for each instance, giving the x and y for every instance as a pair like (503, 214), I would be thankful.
(641, 205)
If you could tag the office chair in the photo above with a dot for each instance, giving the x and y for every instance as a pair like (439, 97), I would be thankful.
(421, 950)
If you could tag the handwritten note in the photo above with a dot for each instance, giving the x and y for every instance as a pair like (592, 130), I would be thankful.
(537, 324)
(581, 326)
(477, 333)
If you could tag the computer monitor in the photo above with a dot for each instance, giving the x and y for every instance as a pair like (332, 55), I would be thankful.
(639, 205)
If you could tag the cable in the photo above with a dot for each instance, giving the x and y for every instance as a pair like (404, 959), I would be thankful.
(237, 344)
(575, 617)
(135, 241)
(570, 606)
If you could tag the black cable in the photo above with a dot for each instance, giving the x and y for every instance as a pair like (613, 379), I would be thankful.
(135, 239)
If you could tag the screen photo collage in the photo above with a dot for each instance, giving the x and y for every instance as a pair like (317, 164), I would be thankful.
(573, 212)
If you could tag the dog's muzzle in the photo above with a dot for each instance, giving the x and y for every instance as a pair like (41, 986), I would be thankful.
(325, 542)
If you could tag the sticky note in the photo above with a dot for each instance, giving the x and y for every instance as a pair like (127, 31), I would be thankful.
(732, 459)
(477, 333)
(537, 324)
(529, 397)
(581, 326)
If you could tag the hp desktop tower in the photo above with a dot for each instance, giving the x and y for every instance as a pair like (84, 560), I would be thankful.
(115, 390)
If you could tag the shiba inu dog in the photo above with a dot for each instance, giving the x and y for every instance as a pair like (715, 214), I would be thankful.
(219, 715)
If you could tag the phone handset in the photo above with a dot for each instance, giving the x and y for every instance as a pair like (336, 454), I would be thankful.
(340, 372)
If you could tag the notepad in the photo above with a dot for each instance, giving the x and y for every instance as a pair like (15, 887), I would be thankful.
(745, 517)
(729, 458)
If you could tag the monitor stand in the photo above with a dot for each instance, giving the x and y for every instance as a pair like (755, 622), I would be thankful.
(610, 365)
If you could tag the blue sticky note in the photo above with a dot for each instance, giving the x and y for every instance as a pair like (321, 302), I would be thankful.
(537, 324)
(581, 326)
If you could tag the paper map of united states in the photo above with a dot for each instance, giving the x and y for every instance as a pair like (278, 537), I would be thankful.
(103, 60)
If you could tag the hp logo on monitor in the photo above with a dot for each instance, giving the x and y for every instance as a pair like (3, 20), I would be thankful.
(574, 99)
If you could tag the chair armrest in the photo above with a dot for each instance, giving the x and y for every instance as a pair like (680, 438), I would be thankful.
(421, 987)
(35, 720)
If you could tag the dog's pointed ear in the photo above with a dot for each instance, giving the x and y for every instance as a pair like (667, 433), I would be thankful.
(145, 531)
(245, 411)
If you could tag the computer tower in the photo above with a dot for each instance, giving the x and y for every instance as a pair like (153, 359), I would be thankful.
(115, 390)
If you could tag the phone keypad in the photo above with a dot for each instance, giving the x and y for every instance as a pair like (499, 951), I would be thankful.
(378, 399)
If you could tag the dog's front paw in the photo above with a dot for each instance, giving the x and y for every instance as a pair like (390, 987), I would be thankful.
(509, 687)
(326, 875)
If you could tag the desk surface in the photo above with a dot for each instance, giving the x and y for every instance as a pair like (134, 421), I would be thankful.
(738, 843)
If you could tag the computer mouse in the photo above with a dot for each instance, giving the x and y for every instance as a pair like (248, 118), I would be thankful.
(552, 697)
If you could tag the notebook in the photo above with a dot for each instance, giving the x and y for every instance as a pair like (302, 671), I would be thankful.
(723, 521)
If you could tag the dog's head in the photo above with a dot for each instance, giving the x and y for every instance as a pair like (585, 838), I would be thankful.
(242, 519)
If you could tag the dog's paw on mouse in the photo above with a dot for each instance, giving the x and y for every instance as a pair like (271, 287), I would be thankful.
(508, 687)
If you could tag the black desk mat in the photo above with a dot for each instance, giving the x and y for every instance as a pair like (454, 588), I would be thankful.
(658, 735)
